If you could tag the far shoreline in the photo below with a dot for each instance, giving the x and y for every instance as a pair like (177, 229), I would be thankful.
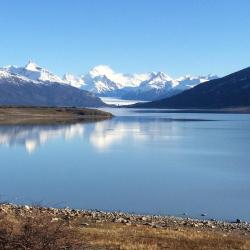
(236, 110)
(11, 115)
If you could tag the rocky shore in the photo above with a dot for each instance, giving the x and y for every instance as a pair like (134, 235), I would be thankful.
(89, 217)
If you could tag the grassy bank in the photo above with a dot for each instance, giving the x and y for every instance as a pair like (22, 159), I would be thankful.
(43, 115)
(24, 227)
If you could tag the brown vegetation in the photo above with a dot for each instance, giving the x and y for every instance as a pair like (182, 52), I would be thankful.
(27, 228)
(48, 115)
(37, 232)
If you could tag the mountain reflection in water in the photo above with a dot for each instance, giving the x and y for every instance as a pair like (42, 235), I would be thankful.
(157, 163)
(101, 135)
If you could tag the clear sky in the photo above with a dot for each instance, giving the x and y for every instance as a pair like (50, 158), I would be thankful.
(175, 36)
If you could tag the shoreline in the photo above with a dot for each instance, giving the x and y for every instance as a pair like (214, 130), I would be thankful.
(239, 110)
(129, 219)
(49, 115)
(36, 227)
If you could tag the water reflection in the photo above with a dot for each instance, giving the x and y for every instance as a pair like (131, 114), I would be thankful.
(106, 135)
(156, 163)
(32, 136)
(101, 135)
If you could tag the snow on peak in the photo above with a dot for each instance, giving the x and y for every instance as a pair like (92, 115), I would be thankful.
(158, 80)
(75, 81)
(34, 72)
(103, 80)
(121, 80)
(101, 70)
(6, 74)
(32, 66)
(188, 81)
(161, 76)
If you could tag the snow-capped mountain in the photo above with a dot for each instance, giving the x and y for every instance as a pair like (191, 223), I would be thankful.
(188, 81)
(121, 80)
(34, 86)
(102, 81)
(75, 81)
(34, 72)
(231, 91)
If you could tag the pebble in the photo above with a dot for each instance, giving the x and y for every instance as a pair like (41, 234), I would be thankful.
(155, 221)
(55, 219)
(84, 224)
(121, 220)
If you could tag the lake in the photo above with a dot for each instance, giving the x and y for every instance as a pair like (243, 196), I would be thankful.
(143, 162)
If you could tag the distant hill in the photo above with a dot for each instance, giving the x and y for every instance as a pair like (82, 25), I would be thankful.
(230, 91)
(20, 89)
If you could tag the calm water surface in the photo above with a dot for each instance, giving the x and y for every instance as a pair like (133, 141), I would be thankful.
(156, 163)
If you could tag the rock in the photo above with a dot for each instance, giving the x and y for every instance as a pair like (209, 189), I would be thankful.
(55, 219)
(194, 225)
(203, 214)
(131, 218)
(146, 224)
(99, 221)
(84, 224)
(27, 207)
(121, 220)
(154, 225)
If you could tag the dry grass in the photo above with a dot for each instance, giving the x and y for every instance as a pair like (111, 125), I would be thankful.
(37, 232)
(40, 230)
(113, 236)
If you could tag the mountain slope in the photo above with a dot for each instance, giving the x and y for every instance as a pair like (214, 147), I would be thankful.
(19, 90)
(103, 81)
(34, 72)
(230, 91)
(160, 86)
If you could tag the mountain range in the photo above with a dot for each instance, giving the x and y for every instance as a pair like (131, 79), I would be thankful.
(103, 81)
(229, 91)
(34, 86)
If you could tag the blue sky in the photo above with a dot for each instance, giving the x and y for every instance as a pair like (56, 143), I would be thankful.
(178, 36)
